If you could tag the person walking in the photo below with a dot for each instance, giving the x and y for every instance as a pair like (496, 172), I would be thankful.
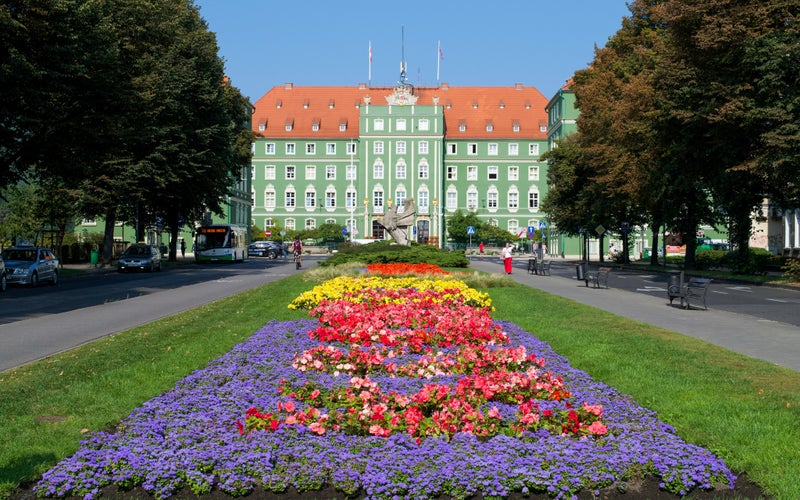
(297, 249)
(506, 254)
(480, 248)
(183, 249)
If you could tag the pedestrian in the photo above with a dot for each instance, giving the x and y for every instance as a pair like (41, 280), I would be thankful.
(297, 249)
(611, 251)
(506, 253)
(480, 248)
(183, 248)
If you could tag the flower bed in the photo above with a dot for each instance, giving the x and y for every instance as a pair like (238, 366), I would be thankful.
(403, 407)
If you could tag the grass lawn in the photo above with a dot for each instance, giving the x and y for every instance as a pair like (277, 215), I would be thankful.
(744, 410)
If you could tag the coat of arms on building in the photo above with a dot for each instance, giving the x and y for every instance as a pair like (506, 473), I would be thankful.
(402, 95)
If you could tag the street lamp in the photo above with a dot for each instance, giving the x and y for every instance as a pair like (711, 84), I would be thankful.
(367, 232)
(352, 206)
(435, 204)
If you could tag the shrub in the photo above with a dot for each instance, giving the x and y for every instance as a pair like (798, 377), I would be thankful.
(383, 252)
(792, 269)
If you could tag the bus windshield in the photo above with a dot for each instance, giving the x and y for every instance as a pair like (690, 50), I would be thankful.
(213, 237)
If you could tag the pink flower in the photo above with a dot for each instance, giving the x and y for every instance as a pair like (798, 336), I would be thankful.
(597, 429)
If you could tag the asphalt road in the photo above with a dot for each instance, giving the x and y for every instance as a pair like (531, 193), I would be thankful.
(37, 323)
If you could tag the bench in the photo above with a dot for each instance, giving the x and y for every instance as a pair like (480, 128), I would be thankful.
(543, 269)
(598, 278)
(694, 290)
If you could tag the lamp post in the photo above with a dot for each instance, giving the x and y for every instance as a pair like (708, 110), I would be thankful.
(435, 204)
(367, 232)
(352, 206)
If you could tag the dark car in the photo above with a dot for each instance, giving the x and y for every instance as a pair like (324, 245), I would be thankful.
(3, 279)
(270, 249)
(140, 257)
(30, 265)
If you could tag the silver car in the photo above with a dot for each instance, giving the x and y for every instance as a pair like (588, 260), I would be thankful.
(30, 265)
(140, 257)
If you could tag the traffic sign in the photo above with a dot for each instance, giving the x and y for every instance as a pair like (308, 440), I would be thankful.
(344, 231)
(531, 229)
(542, 225)
(267, 233)
(600, 230)
(470, 229)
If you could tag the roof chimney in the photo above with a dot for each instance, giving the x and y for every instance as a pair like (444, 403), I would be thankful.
(288, 86)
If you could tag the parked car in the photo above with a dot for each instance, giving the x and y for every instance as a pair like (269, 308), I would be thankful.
(30, 265)
(140, 257)
(270, 249)
(3, 279)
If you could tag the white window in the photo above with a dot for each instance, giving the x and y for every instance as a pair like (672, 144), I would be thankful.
(492, 172)
(452, 149)
(290, 172)
(351, 148)
(310, 224)
(269, 199)
(400, 147)
(422, 147)
(315, 127)
(350, 173)
(401, 124)
(378, 124)
(515, 127)
(513, 173)
(342, 127)
(513, 200)
(472, 149)
(330, 148)
(400, 197)
(533, 200)
(311, 199)
(400, 170)
(350, 200)
(462, 127)
(491, 200)
(513, 149)
(452, 173)
(422, 201)
(533, 173)
(269, 172)
(290, 149)
(533, 149)
(311, 148)
(377, 201)
(451, 201)
(472, 173)
(330, 172)
(377, 170)
(269, 148)
(492, 149)
(330, 199)
(424, 171)
(290, 199)
(424, 124)
(472, 200)
(489, 127)
(290, 224)
(377, 147)
(513, 226)
(311, 172)
(269, 222)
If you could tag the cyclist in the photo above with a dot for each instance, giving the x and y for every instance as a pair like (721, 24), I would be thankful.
(297, 250)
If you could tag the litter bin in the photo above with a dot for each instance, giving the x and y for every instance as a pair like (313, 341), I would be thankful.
(580, 271)
(94, 256)
(646, 253)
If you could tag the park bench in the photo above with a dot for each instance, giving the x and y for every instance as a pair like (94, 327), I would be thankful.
(693, 291)
(543, 269)
(598, 278)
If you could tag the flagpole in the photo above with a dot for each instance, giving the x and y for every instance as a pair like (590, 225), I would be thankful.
(369, 75)
(438, 58)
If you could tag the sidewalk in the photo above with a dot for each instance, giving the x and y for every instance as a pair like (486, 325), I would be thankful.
(771, 341)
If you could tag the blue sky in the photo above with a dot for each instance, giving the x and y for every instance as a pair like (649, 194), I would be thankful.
(538, 43)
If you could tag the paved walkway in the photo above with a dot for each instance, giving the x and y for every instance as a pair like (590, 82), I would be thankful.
(772, 341)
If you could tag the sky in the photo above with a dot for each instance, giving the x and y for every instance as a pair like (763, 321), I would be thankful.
(538, 43)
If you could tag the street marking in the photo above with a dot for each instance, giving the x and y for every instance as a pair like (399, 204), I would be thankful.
(719, 292)
(779, 300)
(740, 288)
(651, 289)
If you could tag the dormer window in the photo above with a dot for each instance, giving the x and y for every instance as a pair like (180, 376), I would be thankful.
(278, 103)
(306, 104)
(489, 126)
(515, 126)
(330, 104)
(475, 105)
(462, 126)
(262, 125)
(502, 105)
(289, 125)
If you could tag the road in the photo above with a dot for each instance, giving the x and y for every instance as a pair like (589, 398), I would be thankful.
(37, 323)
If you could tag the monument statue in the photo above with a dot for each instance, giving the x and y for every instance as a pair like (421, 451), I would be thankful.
(398, 219)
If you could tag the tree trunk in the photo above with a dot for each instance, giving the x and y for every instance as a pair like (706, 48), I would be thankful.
(108, 236)
(654, 244)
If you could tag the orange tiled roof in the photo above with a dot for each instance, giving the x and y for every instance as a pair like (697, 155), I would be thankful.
(325, 108)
